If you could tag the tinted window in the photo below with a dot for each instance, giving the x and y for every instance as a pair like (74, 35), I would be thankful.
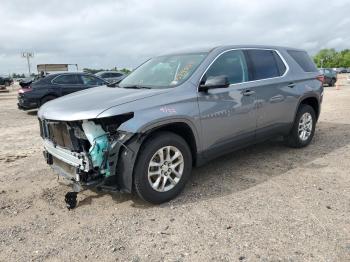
(264, 64)
(91, 80)
(231, 64)
(303, 60)
(66, 80)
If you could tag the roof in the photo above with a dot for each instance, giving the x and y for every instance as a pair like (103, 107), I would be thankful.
(227, 47)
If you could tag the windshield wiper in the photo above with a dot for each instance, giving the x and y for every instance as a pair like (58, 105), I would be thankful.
(136, 87)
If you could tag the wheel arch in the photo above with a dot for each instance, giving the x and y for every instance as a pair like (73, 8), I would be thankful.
(127, 162)
(48, 94)
(312, 101)
(182, 129)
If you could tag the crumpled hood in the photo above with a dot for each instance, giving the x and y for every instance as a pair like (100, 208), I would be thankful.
(90, 103)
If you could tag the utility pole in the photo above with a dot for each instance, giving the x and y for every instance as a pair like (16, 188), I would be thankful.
(28, 56)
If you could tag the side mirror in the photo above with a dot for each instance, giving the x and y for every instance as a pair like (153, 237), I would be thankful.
(214, 82)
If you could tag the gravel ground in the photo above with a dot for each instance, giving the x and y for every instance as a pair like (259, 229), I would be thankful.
(263, 203)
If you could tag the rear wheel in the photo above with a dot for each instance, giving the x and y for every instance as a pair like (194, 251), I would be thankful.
(303, 128)
(332, 82)
(163, 167)
(46, 99)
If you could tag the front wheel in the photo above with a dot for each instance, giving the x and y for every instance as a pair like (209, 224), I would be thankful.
(303, 128)
(163, 167)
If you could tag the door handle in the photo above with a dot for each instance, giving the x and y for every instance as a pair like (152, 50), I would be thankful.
(291, 85)
(248, 92)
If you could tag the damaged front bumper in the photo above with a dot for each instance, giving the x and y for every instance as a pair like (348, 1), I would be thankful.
(103, 161)
(80, 161)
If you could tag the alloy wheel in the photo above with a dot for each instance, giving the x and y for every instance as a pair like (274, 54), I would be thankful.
(165, 168)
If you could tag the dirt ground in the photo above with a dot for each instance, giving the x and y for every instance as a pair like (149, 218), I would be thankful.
(264, 203)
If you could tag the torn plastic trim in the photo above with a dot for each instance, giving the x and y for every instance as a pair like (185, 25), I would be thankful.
(112, 123)
(99, 149)
(126, 158)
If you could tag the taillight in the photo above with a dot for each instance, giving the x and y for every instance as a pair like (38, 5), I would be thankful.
(320, 78)
(24, 90)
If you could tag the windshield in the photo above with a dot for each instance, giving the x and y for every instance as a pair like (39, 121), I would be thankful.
(164, 71)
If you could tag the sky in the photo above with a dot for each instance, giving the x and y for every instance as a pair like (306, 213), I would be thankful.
(124, 33)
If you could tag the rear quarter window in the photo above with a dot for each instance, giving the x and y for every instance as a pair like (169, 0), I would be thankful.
(303, 60)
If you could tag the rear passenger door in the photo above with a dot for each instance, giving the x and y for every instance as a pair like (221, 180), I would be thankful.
(68, 83)
(274, 102)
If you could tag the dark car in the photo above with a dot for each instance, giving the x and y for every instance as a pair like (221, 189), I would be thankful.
(330, 76)
(5, 81)
(111, 76)
(52, 86)
(177, 111)
(343, 70)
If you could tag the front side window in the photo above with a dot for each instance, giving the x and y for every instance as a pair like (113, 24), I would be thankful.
(164, 71)
(264, 64)
(66, 80)
(231, 64)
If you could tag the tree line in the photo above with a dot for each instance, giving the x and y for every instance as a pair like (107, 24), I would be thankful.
(330, 58)
(94, 71)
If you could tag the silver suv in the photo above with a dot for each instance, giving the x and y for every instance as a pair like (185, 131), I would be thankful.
(177, 111)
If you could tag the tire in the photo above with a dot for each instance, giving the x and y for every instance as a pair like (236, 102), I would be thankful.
(46, 99)
(295, 138)
(332, 82)
(150, 152)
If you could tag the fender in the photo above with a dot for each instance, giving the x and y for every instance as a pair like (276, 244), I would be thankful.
(127, 156)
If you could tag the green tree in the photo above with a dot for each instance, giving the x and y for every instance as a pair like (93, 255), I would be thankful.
(328, 58)
(125, 70)
(94, 71)
(345, 58)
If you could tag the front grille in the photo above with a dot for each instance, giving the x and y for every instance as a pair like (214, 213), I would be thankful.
(59, 134)
(62, 134)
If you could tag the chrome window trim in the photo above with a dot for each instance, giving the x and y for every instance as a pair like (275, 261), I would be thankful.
(52, 81)
(249, 48)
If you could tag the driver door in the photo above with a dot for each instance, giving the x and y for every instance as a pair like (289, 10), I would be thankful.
(228, 115)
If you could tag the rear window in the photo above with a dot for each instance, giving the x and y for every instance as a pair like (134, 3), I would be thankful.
(303, 60)
(265, 64)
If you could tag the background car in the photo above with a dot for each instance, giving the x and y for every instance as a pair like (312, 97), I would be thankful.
(342, 70)
(111, 76)
(53, 86)
(5, 81)
(330, 76)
